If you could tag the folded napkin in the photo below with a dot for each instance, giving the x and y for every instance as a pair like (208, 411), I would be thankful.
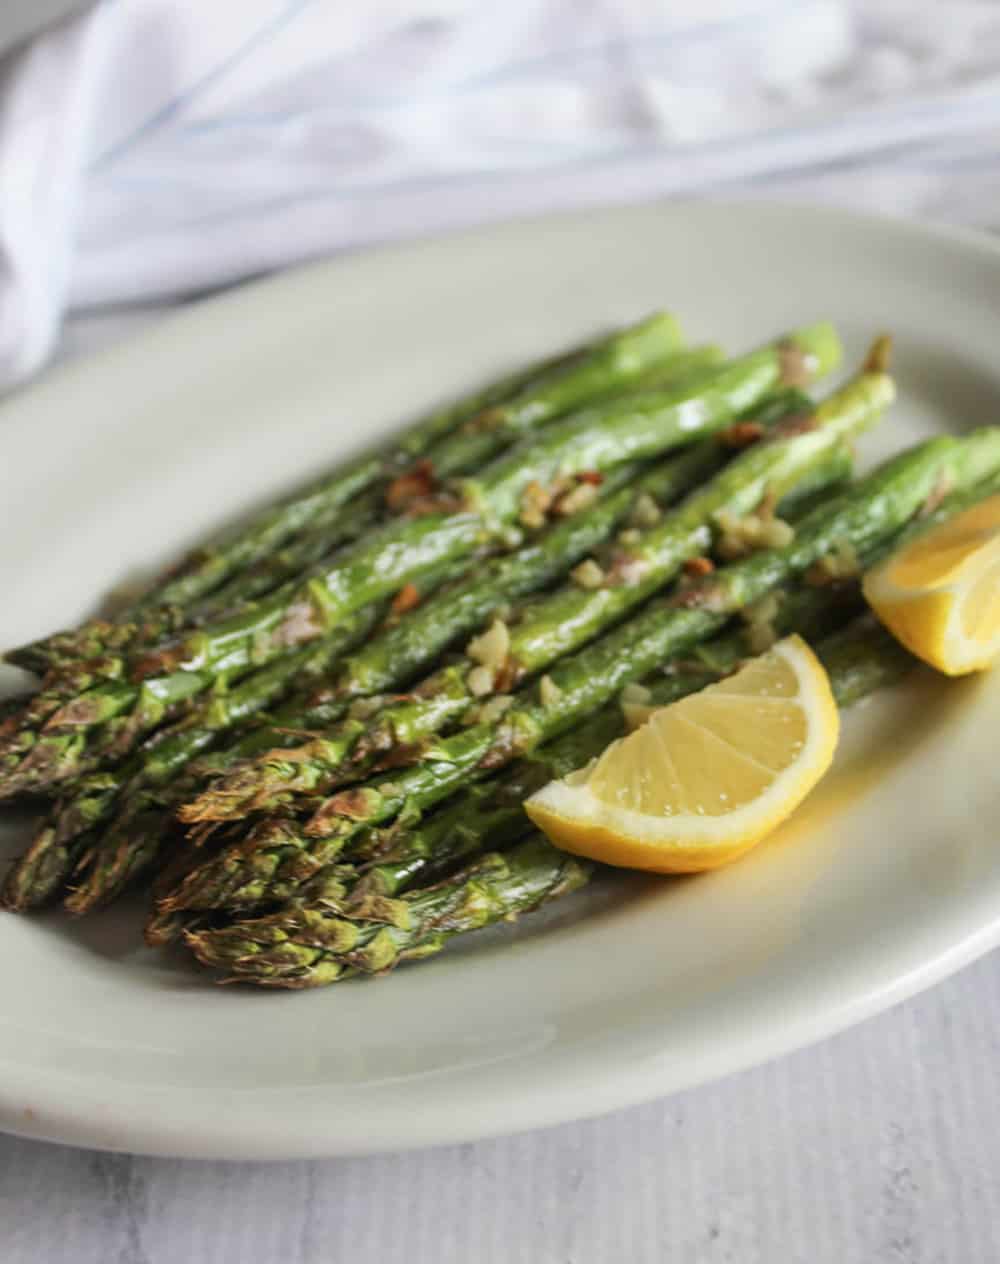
(153, 148)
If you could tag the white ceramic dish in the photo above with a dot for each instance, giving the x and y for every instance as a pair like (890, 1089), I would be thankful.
(887, 880)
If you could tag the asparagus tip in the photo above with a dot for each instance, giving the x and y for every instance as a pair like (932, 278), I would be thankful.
(879, 355)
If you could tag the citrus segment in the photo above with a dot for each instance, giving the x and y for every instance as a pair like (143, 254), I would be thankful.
(940, 595)
(705, 778)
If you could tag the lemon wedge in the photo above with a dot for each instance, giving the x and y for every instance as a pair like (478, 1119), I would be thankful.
(940, 594)
(705, 778)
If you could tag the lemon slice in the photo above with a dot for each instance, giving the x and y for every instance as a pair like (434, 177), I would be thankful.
(940, 595)
(705, 778)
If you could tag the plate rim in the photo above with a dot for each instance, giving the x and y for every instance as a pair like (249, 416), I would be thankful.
(56, 1118)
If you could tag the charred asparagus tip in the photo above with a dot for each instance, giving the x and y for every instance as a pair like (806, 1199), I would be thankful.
(879, 355)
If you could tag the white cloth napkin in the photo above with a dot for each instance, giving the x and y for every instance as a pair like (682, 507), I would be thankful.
(151, 148)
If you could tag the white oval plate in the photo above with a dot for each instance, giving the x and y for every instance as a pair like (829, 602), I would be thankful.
(887, 879)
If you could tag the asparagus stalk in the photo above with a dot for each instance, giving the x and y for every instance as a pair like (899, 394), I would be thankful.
(151, 779)
(102, 637)
(334, 527)
(140, 791)
(873, 511)
(826, 478)
(975, 482)
(92, 729)
(647, 351)
(863, 658)
(278, 856)
(515, 403)
(799, 611)
(400, 650)
(645, 355)
(433, 619)
(860, 659)
(463, 608)
(11, 707)
(307, 952)
(343, 928)
(145, 821)
(67, 834)
(597, 439)
(310, 548)
(574, 614)
(406, 646)
(95, 728)
(529, 396)
(480, 818)
(488, 814)
(139, 831)
(556, 625)
(137, 793)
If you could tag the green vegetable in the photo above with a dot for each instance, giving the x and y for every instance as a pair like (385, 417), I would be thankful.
(633, 428)
(137, 791)
(344, 927)
(523, 399)
(403, 551)
(306, 949)
(67, 834)
(278, 856)
(557, 624)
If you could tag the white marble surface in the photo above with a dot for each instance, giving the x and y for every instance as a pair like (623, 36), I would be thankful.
(881, 1146)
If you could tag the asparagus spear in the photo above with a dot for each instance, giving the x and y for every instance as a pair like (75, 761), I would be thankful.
(274, 860)
(863, 658)
(600, 437)
(501, 577)
(10, 707)
(874, 510)
(67, 833)
(85, 694)
(137, 792)
(330, 529)
(137, 834)
(142, 827)
(102, 637)
(860, 659)
(402, 648)
(574, 614)
(486, 814)
(145, 821)
(306, 952)
(480, 818)
(618, 358)
(146, 780)
(596, 439)
(645, 353)
(516, 403)
(343, 929)
(317, 544)
(557, 624)
(322, 538)
(399, 653)
(529, 396)
(67, 838)
(94, 728)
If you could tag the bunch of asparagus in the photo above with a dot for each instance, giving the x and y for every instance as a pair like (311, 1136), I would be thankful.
(312, 739)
